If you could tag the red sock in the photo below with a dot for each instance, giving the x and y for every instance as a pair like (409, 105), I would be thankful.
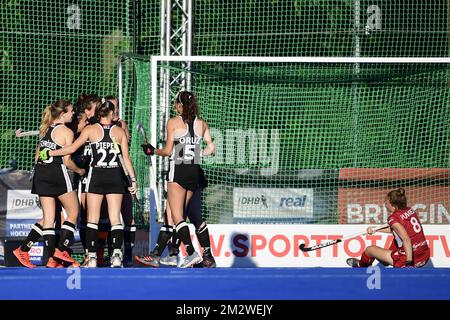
(365, 260)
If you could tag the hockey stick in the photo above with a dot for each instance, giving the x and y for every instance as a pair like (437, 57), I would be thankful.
(12, 166)
(20, 133)
(330, 243)
(125, 171)
(140, 128)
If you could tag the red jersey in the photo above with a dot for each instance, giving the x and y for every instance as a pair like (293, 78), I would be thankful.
(410, 221)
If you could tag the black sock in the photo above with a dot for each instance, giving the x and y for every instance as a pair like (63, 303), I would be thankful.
(165, 233)
(91, 237)
(57, 234)
(174, 244)
(109, 242)
(66, 235)
(117, 236)
(50, 241)
(185, 236)
(203, 238)
(34, 235)
(129, 236)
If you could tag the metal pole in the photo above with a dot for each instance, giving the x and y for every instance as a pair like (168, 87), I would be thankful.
(120, 84)
(356, 70)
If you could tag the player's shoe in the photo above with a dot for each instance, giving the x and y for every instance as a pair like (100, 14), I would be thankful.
(24, 258)
(169, 260)
(90, 261)
(152, 260)
(353, 262)
(208, 260)
(191, 260)
(52, 263)
(63, 256)
(116, 259)
(127, 262)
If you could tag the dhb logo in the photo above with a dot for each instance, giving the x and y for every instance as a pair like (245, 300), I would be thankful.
(254, 201)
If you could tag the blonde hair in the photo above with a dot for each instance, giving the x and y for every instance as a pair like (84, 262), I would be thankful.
(51, 113)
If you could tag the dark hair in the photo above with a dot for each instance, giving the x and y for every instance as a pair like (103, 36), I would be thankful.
(84, 102)
(104, 109)
(190, 105)
(110, 97)
(51, 113)
(397, 198)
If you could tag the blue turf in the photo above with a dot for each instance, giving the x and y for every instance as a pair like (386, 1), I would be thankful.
(225, 283)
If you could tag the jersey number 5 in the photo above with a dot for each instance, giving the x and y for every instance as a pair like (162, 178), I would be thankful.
(189, 152)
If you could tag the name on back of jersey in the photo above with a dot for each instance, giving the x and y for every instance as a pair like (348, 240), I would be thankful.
(48, 144)
(407, 214)
(190, 140)
(104, 145)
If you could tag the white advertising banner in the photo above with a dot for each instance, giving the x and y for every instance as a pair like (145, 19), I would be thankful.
(252, 245)
(22, 204)
(22, 212)
(272, 203)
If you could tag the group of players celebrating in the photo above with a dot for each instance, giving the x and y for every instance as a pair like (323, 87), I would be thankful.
(81, 153)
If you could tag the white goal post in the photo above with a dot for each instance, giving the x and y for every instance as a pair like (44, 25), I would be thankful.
(160, 107)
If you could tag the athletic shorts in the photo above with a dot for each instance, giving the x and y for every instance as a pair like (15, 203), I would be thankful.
(80, 179)
(186, 175)
(106, 180)
(399, 258)
(51, 180)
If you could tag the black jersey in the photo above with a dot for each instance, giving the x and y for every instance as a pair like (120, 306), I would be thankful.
(186, 155)
(82, 157)
(187, 148)
(102, 151)
(48, 142)
(51, 177)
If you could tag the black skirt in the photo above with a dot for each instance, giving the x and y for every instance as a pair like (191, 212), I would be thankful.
(106, 180)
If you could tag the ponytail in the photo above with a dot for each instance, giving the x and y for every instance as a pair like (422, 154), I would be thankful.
(51, 113)
(46, 121)
(190, 106)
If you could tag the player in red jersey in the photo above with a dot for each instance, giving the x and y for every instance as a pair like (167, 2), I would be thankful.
(409, 249)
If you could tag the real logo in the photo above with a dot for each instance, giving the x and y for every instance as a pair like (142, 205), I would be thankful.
(293, 202)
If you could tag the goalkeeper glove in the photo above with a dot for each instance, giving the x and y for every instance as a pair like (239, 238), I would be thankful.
(44, 154)
(148, 149)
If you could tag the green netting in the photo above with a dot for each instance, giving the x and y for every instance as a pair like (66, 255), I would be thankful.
(387, 28)
(53, 49)
(141, 116)
(58, 49)
(284, 126)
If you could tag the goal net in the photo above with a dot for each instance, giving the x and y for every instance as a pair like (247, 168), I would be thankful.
(313, 140)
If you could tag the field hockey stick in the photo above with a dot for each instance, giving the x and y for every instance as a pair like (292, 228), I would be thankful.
(11, 168)
(125, 171)
(332, 242)
(20, 133)
(140, 128)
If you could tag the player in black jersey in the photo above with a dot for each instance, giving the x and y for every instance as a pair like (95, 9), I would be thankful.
(84, 109)
(50, 181)
(105, 178)
(167, 236)
(129, 233)
(184, 136)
